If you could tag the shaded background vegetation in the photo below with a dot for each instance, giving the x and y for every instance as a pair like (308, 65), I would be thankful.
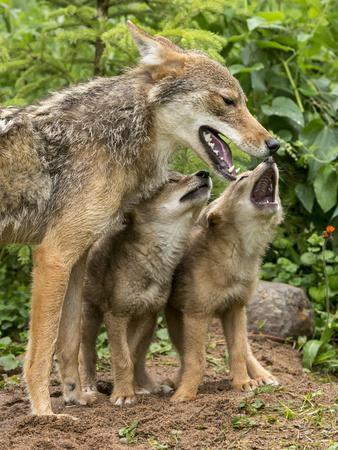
(285, 55)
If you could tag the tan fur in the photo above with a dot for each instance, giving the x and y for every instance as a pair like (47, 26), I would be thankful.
(74, 163)
(217, 277)
(128, 281)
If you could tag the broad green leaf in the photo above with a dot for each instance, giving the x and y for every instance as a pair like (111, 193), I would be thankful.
(9, 362)
(255, 22)
(310, 352)
(308, 259)
(325, 186)
(306, 195)
(317, 293)
(284, 107)
(326, 144)
(310, 132)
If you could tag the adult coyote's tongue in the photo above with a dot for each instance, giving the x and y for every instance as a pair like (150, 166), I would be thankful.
(199, 104)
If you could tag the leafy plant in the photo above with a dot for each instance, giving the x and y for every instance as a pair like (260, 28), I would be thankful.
(127, 435)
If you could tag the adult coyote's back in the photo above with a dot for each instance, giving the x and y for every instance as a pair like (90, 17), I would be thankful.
(71, 165)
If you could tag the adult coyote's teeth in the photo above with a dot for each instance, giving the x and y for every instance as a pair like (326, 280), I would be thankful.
(207, 137)
(238, 169)
(216, 152)
(212, 145)
(231, 168)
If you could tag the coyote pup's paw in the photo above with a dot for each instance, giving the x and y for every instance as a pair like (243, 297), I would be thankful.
(244, 385)
(121, 400)
(182, 396)
(80, 398)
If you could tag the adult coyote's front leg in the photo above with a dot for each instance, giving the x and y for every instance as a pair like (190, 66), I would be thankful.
(50, 279)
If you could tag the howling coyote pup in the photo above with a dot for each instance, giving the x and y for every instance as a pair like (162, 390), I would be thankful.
(128, 281)
(217, 276)
(74, 163)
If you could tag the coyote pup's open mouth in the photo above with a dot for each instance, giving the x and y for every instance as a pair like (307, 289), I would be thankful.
(263, 193)
(219, 152)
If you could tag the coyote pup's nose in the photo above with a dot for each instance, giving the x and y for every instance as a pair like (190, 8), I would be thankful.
(202, 174)
(273, 145)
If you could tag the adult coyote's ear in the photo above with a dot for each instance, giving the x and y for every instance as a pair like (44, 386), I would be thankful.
(154, 50)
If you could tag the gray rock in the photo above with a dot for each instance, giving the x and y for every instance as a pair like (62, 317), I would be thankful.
(280, 310)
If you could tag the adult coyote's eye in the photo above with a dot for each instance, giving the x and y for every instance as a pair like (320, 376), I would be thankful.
(228, 101)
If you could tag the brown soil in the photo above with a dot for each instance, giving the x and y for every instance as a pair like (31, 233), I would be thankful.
(299, 415)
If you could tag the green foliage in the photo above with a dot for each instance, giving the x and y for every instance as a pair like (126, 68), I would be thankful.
(283, 53)
(127, 435)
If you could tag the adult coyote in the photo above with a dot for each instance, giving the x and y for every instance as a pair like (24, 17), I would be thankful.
(72, 164)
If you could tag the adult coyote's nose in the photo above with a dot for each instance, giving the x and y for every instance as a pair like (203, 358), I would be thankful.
(273, 145)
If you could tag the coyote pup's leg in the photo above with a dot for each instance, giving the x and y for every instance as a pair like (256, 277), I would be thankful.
(140, 333)
(92, 318)
(257, 371)
(193, 357)
(174, 319)
(122, 364)
(234, 325)
(50, 279)
(68, 343)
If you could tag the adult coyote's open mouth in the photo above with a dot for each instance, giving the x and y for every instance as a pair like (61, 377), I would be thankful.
(218, 151)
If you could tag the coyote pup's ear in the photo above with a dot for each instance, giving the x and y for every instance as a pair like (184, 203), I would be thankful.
(208, 217)
(154, 50)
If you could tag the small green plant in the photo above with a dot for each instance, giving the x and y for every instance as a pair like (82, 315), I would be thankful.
(289, 414)
(251, 407)
(127, 435)
(240, 422)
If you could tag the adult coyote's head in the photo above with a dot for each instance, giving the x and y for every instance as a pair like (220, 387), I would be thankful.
(198, 102)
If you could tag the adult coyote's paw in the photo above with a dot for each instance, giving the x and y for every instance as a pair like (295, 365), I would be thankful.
(182, 395)
(244, 385)
(122, 400)
(266, 379)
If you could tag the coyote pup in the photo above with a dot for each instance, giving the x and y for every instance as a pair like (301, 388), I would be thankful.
(218, 275)
(128, 281)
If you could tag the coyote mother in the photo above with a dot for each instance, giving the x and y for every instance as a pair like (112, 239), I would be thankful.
(71, 165)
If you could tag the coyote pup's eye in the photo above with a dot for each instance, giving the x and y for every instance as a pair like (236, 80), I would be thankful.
(228, 101)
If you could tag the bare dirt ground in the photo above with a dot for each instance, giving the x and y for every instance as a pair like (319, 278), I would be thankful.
(301, 414)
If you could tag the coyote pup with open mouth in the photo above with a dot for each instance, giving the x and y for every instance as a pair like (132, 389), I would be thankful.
(128, 281)
(218, 275)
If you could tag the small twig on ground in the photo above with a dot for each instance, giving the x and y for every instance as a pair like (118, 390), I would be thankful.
(267, 336)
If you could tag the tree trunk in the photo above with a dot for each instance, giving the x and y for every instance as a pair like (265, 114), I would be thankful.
(102, 14)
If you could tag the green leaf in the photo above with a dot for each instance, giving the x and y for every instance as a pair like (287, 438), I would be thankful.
(310, 352)
(274, 44)
(284, 107)
(325, 186)
(308, 259)
(272, 16)
(317, 293)
(9, 362)
(239, 68)
(255, 22)
(306, 195)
